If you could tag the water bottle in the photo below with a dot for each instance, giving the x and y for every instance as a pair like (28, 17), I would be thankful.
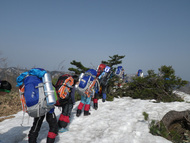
(48, 89)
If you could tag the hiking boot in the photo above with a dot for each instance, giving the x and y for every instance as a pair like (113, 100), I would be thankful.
(86, 113)
(78, 112)
(95, 106)
(103, 100)
(50, 140)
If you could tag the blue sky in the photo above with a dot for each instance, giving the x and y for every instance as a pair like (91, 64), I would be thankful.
(47, 33)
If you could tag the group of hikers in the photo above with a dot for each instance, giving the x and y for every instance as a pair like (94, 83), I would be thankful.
(39, 96)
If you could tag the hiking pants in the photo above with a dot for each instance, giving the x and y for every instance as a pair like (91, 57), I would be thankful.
(53, 128)
(104, 92)
(84, 101)
(65, 115)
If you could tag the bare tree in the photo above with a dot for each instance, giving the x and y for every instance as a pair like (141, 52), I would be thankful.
(3, 61)
(61, 65)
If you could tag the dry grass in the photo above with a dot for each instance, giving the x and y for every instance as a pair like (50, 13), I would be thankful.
(9, 105)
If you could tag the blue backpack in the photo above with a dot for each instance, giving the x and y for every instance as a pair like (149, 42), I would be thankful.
(139, 72)
(32, 93)
(120, 72)
(87, 81)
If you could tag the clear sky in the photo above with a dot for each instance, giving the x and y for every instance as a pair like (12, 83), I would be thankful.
(50, 33)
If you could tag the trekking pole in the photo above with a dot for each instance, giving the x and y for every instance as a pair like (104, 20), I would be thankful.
(22, 119)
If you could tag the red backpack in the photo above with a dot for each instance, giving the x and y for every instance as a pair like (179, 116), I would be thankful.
(100, 69)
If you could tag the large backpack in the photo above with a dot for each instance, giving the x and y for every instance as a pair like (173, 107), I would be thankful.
(119, 72)
(87, 81)
(36, 92)
(100, 69)
(63, 86)
(140, 73)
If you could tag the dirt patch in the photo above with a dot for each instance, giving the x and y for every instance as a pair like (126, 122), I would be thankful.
(4, 118)
(9, 104)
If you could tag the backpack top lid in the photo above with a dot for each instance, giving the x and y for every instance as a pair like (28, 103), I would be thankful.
(91, 72)
(100, 69)
(120, 67)
(139, 71)
(39, 72)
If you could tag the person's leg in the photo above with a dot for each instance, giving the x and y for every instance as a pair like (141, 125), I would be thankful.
(64, 117)
(53, 127)
(33, 133)
(81, 104)
(87, 106)
(95, 100)
(103, 93)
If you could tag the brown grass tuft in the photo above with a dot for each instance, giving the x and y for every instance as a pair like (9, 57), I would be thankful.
(9, 104)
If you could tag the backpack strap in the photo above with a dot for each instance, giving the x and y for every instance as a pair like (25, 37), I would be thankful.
(90, 74)
(22, 98)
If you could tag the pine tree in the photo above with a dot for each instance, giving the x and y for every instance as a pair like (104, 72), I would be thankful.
(80, 68)
(156, 86)
(114, 60)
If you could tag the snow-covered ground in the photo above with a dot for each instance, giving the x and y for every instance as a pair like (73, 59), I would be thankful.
(119, 121)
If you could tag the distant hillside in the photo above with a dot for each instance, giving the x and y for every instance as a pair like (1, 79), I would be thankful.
(10, 74)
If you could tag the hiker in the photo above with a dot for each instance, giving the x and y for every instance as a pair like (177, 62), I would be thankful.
(85, 87)
(66, 103)
(140, 73)
(37, 98)
(37, 123)
(104, 73)
(120, 73)
(98, 90)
